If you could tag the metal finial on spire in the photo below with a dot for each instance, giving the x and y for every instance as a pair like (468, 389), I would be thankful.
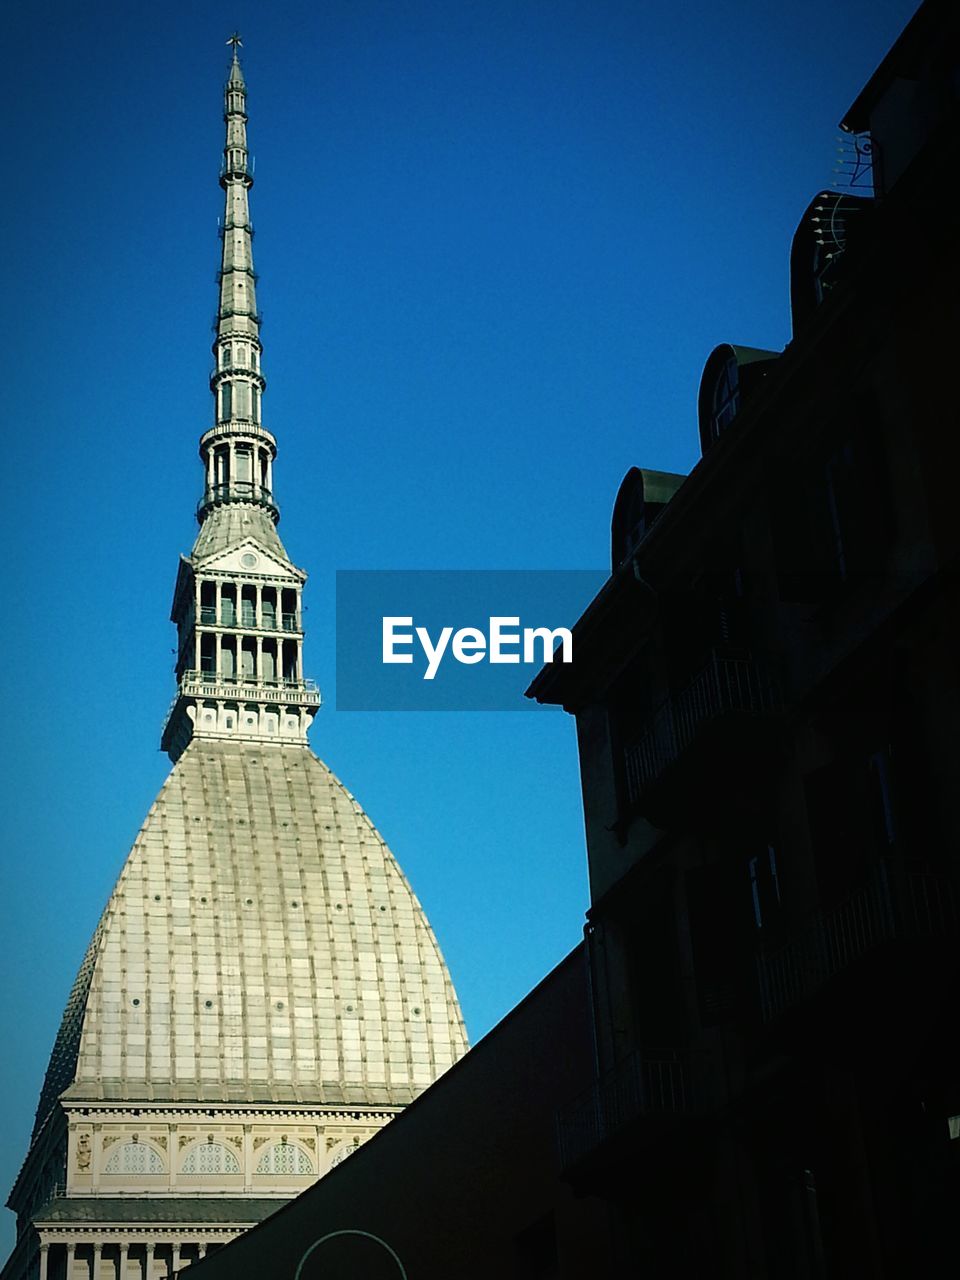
(236, 73)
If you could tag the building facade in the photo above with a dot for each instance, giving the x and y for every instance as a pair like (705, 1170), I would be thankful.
(263, 991)
(765, 696)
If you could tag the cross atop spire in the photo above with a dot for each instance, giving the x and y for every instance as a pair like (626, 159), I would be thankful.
(236, 74)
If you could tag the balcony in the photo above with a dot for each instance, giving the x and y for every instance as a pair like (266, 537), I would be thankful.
(229, 621)
(890, 907)
(655, 1094)
(291, 691)
(735, 692)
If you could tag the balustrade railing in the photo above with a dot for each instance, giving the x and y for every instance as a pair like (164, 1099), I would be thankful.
(887, 906)
(643, 1084)
(722, 685)
(210, 684)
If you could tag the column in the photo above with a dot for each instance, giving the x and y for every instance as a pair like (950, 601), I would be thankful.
(202, 1249)
(217, 659)
(122, 1260)
(247, 1160)
(44, 1250)
(270, 471)
(218, 602)
(175, 1257)
(258, 606)
(211, 479)
(259, 655)
(150, 1250)
(97, 1250)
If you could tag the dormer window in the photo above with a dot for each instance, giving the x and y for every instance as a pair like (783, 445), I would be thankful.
(726, 398)
(642, 496)
(818, 256)
(731, 375)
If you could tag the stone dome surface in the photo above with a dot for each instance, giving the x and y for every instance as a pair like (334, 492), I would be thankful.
(261, 945)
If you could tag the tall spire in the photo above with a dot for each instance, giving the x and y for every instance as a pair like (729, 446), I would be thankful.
(237, 599)
(238, 452)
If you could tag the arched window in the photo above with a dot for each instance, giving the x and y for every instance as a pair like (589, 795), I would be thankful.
(341, 1154)
(284, 1157)
(210, 1157)
(642, 496)
(726, 398)
(133, 1157)
(730, 376)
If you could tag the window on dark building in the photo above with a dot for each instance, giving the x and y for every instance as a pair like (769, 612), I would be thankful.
(851, 819)
(860, 505)
(832, 516)
(765, 887)
(630, 708)
(535, 1250)
(721, 939)
(726, 398)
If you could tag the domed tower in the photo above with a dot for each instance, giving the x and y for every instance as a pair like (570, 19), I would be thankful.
(263, 991)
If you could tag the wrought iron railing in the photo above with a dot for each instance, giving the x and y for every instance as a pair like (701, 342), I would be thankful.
(722, 685)
(913, 904)
(643, 1084)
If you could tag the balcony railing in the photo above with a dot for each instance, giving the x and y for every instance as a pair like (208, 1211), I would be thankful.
(642, 1085)
(723, 685)
(207, 684)
(248, 622)
(913, 905)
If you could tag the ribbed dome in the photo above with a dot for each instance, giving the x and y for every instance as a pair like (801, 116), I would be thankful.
(261, 945)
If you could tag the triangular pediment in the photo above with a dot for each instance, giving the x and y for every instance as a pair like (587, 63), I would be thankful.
(248, 556)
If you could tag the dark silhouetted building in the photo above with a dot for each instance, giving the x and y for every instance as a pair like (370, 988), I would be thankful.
(766, 696)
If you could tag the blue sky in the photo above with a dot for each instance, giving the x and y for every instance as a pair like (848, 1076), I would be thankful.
(496, 242)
